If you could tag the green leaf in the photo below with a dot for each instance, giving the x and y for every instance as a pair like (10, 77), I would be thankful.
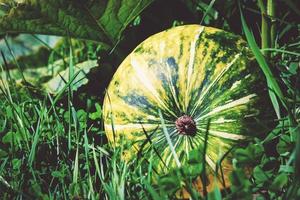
(36, 189)
(284, 145)
(34, 75)
(286, 169)
(97, 114)
(169, 184)
(152, 191)
(249, 155)
(293, 67)
(193, 170)
(82, 118)
(215, 194)
(260, 175)
(11, 137)
(195, 157)
(137, 21)
(279, 182)
(16, 164)
(59, 82)
(3, 153)
(98, 20)
(25, 44)
(240, 183)
(58, 174)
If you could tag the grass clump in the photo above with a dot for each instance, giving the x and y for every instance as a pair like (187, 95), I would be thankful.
(53, 146)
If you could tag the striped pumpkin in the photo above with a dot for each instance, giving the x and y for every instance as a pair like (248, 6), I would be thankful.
(196, 77)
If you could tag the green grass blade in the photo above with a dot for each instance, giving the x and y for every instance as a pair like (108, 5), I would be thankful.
(281, 51)
(169, 139)
(152, 191)
(271, 81)
(36, 138)
(70, 93)
(76, 165)
(207, 10)
(204, 159)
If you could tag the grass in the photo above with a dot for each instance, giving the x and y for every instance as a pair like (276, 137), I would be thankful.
(54, 146)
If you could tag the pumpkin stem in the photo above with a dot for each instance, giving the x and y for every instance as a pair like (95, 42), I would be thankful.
(186, 125)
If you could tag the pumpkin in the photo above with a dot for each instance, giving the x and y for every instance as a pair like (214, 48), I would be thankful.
(203, 83)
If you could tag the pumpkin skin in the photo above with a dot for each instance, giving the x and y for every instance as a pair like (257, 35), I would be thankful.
(202, 72)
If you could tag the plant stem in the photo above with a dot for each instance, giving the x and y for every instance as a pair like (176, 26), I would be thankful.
(271, 12)
(265, 31)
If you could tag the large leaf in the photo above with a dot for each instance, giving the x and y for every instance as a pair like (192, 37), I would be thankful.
(99, 20)
(25, 44)
(57, 83)
(51, 80)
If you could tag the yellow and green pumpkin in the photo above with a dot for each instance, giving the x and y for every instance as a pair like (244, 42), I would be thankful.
(193, 75)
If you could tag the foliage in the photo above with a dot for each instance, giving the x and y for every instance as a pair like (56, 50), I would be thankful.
(102, 21)
(53, 146)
